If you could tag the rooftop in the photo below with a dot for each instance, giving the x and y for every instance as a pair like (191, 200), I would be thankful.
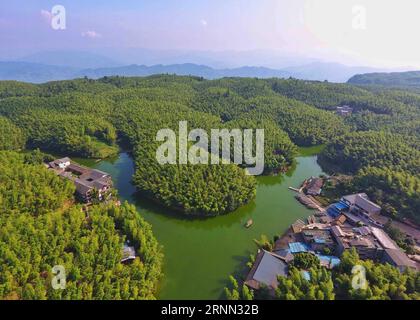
(284, 254)
(314, 186)
(296, 247)
(351, 198)
(367, 205)
(128, 253)
(399, 258)
(317, 235)
(266, 269)
(383, 238)
(336, 231)
(355, 237)
(328, 261)
(297, 226)
(85, 179)
(63, 160)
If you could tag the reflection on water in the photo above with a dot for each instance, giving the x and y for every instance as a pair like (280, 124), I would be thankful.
(201, 253)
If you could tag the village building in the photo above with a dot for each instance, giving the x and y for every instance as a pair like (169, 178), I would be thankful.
(325, 219)
(128, 253)
(341, 227)
(311, 219)
(60, 163)
(398, 259)
(341, 220)
(318, 239)
(266, 269)
(353, 219)
(314, 186)
(86, 180)
(328, 262)
(366, 245)
(371, 243)
(284, 254)
(337, 209)
(359, 203)
(297, 226)
(298, 247)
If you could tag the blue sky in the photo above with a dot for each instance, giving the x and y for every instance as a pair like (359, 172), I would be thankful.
(318, 28)
(155, 24)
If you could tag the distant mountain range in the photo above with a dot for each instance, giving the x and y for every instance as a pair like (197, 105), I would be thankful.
(39, 72)
(185, 69)
(35, 72)
(394, 79)
(73, 59)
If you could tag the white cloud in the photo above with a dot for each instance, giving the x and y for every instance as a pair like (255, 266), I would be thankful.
(91, 34)
(203, 22)
(46, 15)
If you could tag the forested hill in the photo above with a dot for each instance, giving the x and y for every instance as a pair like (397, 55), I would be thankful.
(378, 144)
(41, 71)
(41, 227)
(89, 117)
(392, 79)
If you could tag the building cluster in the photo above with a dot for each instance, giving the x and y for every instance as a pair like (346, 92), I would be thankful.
(355, 205)
(371, 243)
(343, 226)
(89, 182)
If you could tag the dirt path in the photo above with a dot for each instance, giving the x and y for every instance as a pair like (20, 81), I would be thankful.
(316, 203)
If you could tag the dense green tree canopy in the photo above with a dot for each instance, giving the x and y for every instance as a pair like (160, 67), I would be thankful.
(39, 229)
(357, 150)
(384, 282)
(30, 188)
(305, 260)
(386, 167)
(296, 287)
(87, 117)
(11, 137)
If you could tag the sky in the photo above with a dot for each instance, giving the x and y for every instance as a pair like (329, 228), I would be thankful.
(364, 32)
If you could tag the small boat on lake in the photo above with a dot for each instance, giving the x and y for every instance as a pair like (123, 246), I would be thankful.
(249, 223)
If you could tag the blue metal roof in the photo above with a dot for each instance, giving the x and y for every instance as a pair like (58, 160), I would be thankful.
(340, 206)
(333, 212)
(345, 204)
(319, 240)
(331, 260)
(296, 247)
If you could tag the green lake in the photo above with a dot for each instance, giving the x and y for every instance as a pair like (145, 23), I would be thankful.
(200, 254)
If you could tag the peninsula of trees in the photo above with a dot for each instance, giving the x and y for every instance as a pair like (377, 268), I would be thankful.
(41, 227)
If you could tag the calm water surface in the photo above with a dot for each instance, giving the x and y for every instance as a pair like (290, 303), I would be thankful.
(201, 253)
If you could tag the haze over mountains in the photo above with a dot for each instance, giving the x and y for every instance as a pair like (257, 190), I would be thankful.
(63, 65)
(397, 79)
